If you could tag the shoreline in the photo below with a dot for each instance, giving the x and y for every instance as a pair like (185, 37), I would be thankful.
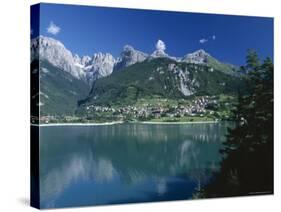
(122, 122)
(177, 122)
(78, 124)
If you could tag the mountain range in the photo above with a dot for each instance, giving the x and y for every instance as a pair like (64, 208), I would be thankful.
(69, 81)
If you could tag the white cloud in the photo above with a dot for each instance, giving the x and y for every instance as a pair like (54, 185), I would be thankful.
(203, 40)
(53, 29)
(160, 45)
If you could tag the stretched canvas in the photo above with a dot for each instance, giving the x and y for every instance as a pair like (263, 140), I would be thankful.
(131, 105)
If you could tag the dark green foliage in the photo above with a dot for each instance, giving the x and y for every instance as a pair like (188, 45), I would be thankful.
(153, 78)
(248, 164)
(34, 91)
(124, 87)
(59, 90)
(253, 61)
(226, 68)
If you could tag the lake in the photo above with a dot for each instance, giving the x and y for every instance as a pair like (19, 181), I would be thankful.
(125, 163)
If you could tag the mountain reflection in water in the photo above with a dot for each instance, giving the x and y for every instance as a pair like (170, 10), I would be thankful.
(91, 165)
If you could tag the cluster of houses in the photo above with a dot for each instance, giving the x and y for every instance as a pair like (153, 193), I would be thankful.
(196, 107)
(200, 106)
(48, 119)
(41, 119)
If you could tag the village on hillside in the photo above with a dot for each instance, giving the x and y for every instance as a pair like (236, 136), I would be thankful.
(203, 108)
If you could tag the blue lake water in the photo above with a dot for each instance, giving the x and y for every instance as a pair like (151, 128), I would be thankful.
(125, 163)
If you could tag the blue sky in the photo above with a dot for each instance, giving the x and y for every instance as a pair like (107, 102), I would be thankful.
(85, 30)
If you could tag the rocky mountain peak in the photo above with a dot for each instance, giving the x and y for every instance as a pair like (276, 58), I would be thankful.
(128, 48)
(85, 60)
(102, 64)
(77, 59)
(129, 56)
(55, 52)
(198, 57)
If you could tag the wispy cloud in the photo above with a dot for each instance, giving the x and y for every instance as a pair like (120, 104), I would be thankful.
(203, 40)
(53, 28)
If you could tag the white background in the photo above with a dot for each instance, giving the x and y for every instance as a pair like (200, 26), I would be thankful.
(14, 103)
